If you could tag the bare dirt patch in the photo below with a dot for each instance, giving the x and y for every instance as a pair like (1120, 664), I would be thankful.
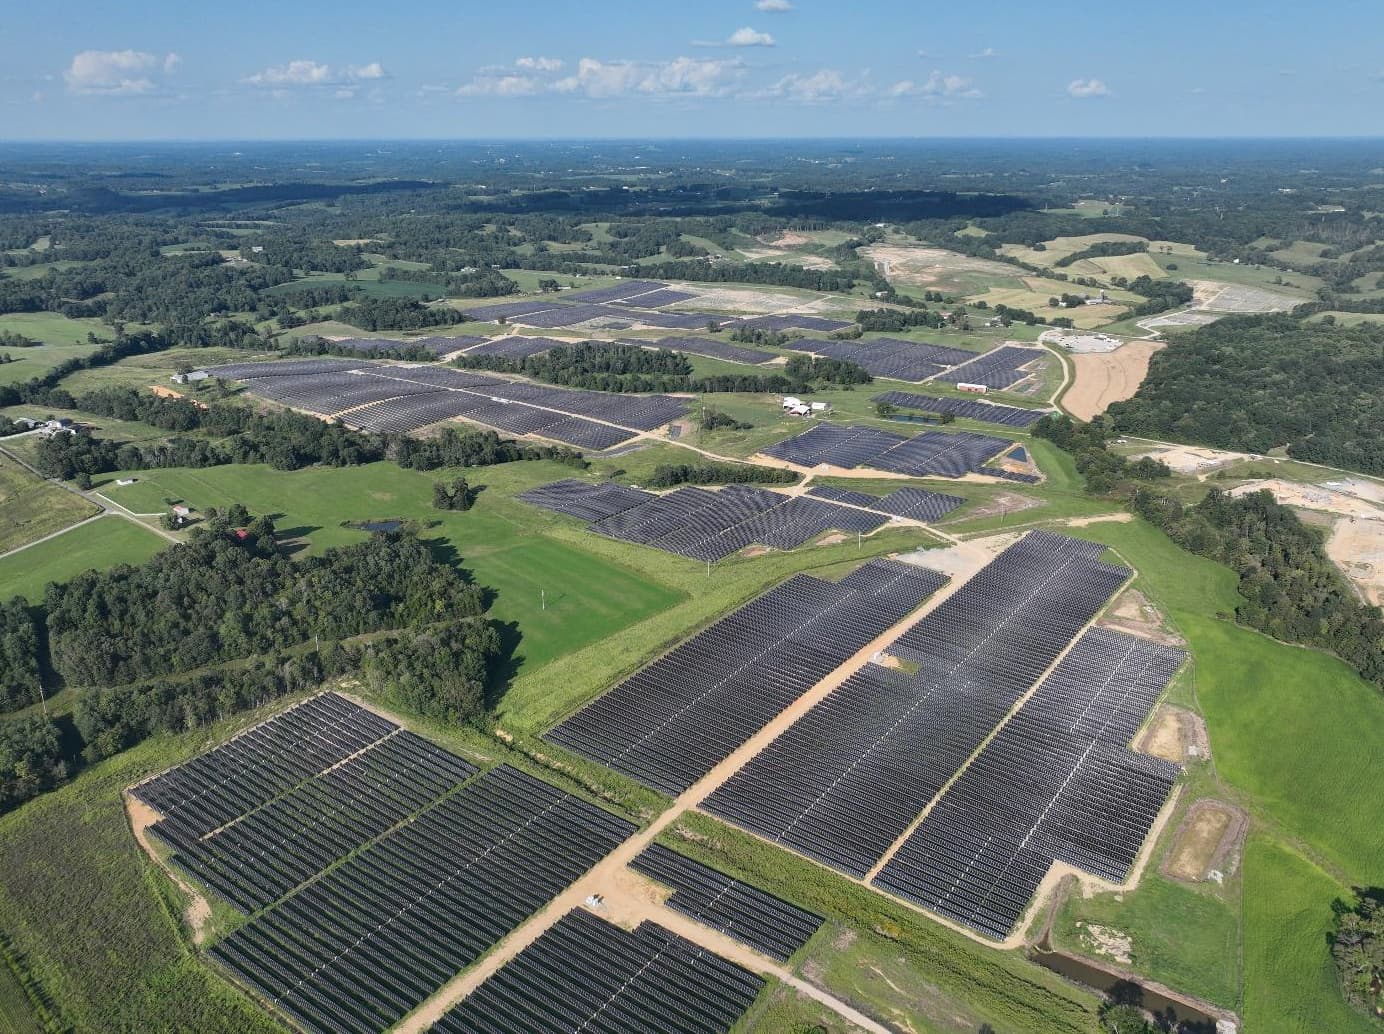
(198, 912)
(1106, 942)
(1003, 502)
(1167, 736)
(1210, 831)
(1100, 378)
(1189, 459)
(1133, 613)
(924, 267)
(1357, 548)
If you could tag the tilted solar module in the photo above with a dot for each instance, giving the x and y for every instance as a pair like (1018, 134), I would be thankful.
(1056, 783)
(368, 941)
(750, 915)
(970, 409)
(670, 723)
(584, 974)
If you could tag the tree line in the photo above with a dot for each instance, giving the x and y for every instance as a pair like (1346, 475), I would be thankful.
(666, 475)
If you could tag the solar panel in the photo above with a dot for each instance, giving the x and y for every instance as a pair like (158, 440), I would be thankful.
(671, 722)
(970, 409)
(932, 453)
(584, 974)
(999, 368)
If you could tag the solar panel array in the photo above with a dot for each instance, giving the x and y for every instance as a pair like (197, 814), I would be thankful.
(750, 915)
(998, 368)
(793, 321)
(261, 763)
(969, 409)
(386, 398)
(915, 503)
(260, 857)
(711, 348)
(518, 347)
(367, 942)
(584, 974)
(699, 523)
(888, 357)
(930, 454)
(615, 292)
(847, 779)
(1009, 475)
(670, 723)
(508, 310)
(437, 346)
(652, 300)
(1056, 783)
(287, 368)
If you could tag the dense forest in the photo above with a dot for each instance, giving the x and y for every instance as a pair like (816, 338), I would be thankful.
(1258, 383)
(224, 622)
(630, 368)
(1290, 587)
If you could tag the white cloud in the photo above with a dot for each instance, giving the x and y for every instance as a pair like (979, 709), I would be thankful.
(986, 54)
(501, 86)
(683, 76)
(118, 73)
(773, 6)
(539, 64)
(305, 73)
(827, 84)
(1088, 88)
(939, 86)
(748, 37)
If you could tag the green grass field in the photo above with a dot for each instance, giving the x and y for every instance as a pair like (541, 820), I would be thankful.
(1290, 980)
(62, 339)
(31, 508)
(100, 544)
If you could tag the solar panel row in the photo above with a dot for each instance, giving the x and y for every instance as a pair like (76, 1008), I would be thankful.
(930, 454)
(261, 763)
(888, 357)
(969, 409)
(364, 944)
(614, 292)
(915, 503)
(699, 523)
(584, 974)
(846, 781)
(793, 321)
(711, 348)
(436, 345)
(748, 914)
(396, 399)
(999, 368)
(260, 857)
(1056, 783)
(671, 722)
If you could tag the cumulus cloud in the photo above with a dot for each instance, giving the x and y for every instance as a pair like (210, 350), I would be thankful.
(827, 84)
(939, 86)
(1088, 88)
(118, 73)
(683, 76)
(508, 85)
(305, 73)
(748, 37)
(985, 54)
(539, 64)
(773, 6)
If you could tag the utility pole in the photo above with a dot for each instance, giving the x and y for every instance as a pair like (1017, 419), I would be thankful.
(42, 698)
(542, 599)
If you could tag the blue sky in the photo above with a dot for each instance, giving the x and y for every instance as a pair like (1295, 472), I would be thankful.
(717, 68)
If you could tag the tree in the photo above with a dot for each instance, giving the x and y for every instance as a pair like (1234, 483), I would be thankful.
(885, 410)
(1124, 1018)
(1357, 945)
(459, 495)
(549, 286)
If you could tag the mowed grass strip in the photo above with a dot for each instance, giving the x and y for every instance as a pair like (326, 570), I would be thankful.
(99, 544)
(31, 508)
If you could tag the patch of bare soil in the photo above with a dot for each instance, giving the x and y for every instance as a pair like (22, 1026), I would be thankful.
(1167, 736)
(1357, 548)
(1210, 834)
(1106, 941)
(1100, 378)
(1003, 502)
(1133, 613)
(198, 912)
(788, 239)
(831, 540)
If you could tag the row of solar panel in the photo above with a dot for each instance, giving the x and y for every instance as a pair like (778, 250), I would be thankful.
(1057, 783)
(969, 409)
(1000, 368)
(367, 942)
(845, 781)
(672, 721)
(930, 454)
(888, 357)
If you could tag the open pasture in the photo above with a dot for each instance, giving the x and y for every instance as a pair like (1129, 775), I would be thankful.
(31, 508)
(99, 544)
